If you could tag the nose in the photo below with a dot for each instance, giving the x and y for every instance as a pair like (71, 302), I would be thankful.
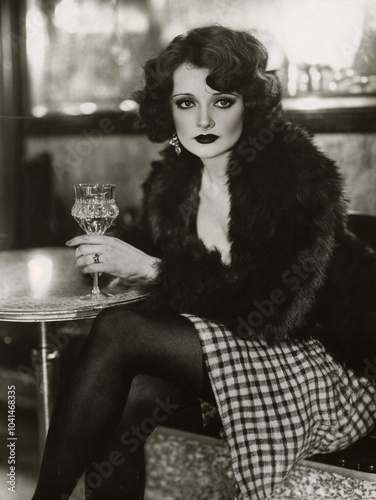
(204, 119)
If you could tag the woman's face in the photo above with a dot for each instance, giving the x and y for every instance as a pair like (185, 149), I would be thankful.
(208, 123)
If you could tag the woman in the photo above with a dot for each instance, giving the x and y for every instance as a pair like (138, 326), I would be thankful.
(257, 294)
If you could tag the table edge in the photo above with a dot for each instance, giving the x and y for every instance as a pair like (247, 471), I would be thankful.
(34, 317)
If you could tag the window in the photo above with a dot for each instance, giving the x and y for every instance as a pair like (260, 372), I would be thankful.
(84, 56)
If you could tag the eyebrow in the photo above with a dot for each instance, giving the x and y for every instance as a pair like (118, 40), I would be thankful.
(183, 93)
(216, 93)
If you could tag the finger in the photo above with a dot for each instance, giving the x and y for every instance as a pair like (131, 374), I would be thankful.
(91, 239)
(75, 241)
(93, 268)
(89, 259)
(88, 249)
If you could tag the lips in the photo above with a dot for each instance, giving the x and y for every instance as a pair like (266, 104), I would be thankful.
(206, 138)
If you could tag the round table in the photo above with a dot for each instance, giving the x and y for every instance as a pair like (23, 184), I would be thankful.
(43, 285)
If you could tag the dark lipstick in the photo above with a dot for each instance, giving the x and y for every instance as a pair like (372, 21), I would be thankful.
(206, 138)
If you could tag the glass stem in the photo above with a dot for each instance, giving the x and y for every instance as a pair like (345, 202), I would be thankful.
(95, 290)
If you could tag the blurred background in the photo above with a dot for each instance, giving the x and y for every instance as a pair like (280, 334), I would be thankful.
(67, 72)
(68, 69)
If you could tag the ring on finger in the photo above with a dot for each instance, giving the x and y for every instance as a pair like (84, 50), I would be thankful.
(96, 258)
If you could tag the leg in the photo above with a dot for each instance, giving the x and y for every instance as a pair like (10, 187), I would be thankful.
(123, 343)
(45, 360)
(118, 469)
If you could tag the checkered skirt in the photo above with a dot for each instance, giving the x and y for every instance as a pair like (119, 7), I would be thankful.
(280, 404)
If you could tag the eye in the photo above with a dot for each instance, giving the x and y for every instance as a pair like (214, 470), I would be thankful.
(224, 102)
(185, 104)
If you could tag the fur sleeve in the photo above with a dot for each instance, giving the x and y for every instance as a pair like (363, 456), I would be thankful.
(193, 279)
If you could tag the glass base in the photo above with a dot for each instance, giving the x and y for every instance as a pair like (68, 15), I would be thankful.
(96, 294)
(94, 297)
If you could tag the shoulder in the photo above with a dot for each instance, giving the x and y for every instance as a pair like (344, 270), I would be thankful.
(296, 148)
(284, 146)
(291, 182)
(171, 179)
(287, 161)
(159, 170)
(314, 175)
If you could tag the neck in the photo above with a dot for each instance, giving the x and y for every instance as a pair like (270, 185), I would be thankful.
(214, 177)
(215, 169)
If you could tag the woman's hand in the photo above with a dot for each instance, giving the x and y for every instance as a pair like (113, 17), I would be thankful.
(115, 257)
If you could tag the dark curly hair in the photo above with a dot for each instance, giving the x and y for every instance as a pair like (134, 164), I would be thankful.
(236, 61)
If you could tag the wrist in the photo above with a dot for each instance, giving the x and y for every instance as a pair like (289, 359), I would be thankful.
(150, 269)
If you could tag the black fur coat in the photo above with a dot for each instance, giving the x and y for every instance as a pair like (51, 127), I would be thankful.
(295, 270)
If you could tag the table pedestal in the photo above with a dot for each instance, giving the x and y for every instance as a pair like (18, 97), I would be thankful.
(42, 285)
(45, 363)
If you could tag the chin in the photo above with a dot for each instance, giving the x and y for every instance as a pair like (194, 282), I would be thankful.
(207, 151)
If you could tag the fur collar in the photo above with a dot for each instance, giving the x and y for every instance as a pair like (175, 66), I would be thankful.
(263, 178)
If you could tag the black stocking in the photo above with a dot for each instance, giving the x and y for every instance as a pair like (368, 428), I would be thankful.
(118, 469)
(125, 342)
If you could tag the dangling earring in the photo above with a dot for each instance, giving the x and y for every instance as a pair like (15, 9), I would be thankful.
(174, 141)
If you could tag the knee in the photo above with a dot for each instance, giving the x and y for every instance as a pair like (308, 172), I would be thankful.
(116, 326)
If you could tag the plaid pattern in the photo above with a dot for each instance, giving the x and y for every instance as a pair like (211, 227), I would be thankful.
(280, 404)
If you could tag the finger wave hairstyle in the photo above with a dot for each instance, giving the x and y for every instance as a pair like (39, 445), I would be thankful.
(236, 61)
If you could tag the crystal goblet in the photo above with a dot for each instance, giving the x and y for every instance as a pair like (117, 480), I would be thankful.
(95, 210)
